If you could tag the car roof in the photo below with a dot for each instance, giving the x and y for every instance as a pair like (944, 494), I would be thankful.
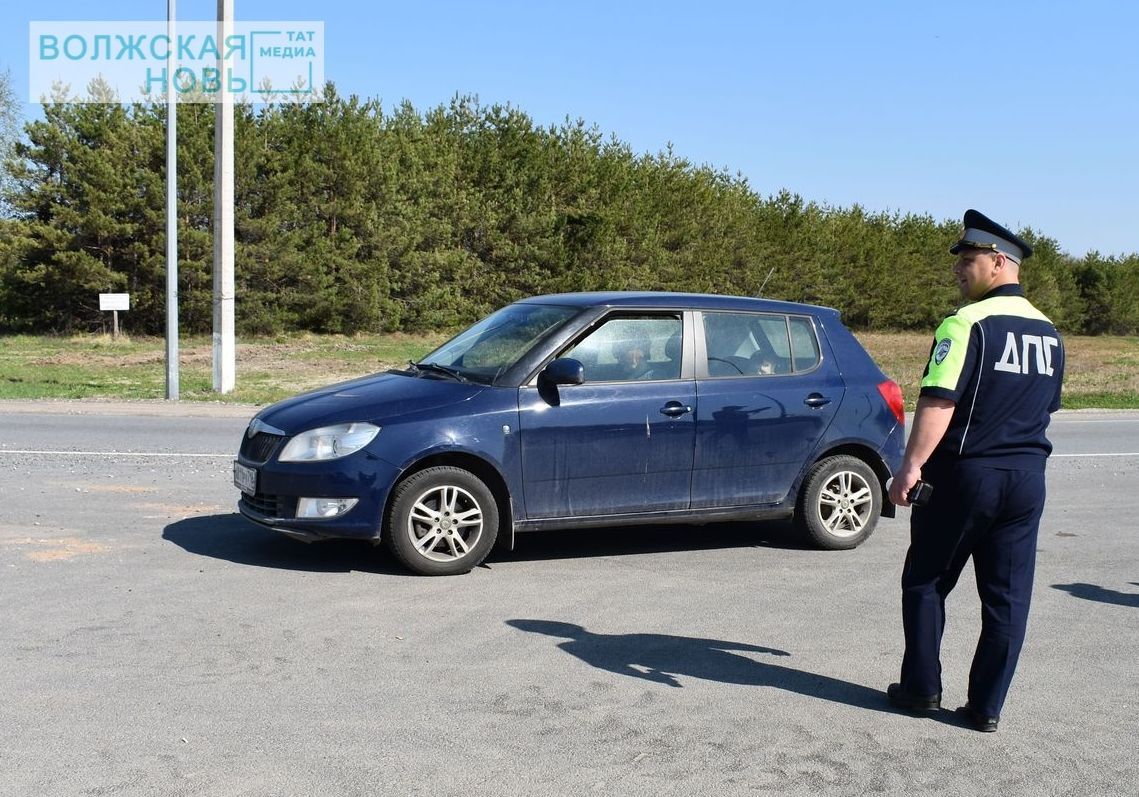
(673, 301)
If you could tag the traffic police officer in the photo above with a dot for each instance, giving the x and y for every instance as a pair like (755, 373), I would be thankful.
(978, 438)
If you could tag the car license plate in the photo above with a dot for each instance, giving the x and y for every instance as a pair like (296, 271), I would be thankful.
(245, 478)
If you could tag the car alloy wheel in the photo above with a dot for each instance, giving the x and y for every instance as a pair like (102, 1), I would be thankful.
(839, 503)
(845, 504)
(443, 521)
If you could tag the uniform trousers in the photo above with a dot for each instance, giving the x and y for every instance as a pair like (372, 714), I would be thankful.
(991, 514)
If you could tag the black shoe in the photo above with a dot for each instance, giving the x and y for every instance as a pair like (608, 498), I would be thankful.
(979, 721)
(902, 699)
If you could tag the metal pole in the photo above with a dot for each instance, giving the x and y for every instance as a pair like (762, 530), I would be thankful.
(225, 354)
(171, 213)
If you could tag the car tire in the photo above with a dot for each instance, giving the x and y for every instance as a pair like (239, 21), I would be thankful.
(839, 503)
(442, 521)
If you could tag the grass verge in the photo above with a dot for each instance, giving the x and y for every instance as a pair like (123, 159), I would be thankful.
(268, 369)
(1102, 372)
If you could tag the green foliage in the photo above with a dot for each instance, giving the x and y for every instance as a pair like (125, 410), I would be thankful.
(352, 218)
(9, 132)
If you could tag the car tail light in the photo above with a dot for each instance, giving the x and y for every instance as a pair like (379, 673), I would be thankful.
(892, 392)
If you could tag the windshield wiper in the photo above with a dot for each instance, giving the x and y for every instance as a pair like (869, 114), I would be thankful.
(454, 373)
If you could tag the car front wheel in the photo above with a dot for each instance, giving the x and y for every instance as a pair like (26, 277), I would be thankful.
(442, 521)
(839, 503)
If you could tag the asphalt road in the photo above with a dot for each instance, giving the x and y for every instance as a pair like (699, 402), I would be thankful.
(154, 643)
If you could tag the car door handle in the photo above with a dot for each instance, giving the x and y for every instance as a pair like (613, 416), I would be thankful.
(816, 400)
(674, 409)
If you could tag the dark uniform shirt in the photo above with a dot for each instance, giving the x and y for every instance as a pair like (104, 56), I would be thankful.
(1001, 361)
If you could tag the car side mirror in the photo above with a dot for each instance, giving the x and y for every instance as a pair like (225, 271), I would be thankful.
(563, 371)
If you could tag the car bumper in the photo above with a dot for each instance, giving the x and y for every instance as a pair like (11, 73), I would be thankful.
(891, 452)
(279, 487)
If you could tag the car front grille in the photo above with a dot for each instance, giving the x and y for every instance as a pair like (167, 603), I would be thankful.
(260, 447)
(268, 505)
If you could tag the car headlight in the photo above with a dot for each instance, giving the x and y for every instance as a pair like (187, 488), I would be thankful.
(329, 442)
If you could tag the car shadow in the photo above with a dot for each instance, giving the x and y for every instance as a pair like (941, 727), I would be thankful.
(234, 539)
(1091, 592)
(629, 540)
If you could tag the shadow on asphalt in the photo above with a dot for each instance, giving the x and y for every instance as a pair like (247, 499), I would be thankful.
(233, 538)
(666, 659)
(629, 540)
(1091, 592)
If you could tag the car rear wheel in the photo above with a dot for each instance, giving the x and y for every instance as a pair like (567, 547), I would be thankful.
(442, 521)
(839, 503)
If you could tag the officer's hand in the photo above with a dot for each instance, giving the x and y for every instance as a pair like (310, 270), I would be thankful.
(903, 481)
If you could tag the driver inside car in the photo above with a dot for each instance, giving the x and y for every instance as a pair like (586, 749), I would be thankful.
(633, 359)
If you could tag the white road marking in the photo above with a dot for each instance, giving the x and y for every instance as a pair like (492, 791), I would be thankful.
(170, 454)
(1070, 419)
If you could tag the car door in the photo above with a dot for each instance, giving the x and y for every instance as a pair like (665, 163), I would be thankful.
(766, 395)
(622, 441)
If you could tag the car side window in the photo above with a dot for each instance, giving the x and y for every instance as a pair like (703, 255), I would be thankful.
(747, 344)
(774, 356)
(630, 348)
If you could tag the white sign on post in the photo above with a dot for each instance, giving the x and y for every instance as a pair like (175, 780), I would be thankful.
(114, 301)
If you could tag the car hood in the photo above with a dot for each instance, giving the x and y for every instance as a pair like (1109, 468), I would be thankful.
(374, 399)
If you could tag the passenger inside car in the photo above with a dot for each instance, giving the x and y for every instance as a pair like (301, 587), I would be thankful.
(762, 364)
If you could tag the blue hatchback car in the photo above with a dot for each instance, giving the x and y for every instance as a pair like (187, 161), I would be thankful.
(587, 409)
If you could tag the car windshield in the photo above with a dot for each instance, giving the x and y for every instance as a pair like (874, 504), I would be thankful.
(482, 352)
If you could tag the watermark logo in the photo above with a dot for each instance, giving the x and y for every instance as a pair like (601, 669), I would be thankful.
(139, 61)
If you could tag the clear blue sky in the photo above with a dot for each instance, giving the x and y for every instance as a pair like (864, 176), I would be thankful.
(1028, 111)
